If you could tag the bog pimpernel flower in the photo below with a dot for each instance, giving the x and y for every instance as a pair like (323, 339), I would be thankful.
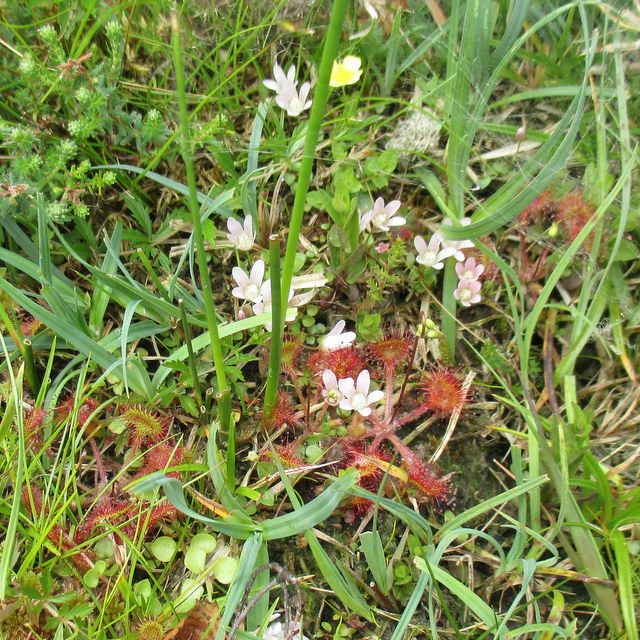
(248, 285)
(345, 71)
(357, 396)
(469, 270)
(457, 245)
(331, 392)
(263, 305)
(241, 236)
(467, 292)
(287, 95)
(430, 255)
(382, 216)
(335, 339)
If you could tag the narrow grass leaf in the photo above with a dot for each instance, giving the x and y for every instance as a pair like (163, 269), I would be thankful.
(478, 607)
(175, 494)
(374, 554)
(312, 513)
(211, 203)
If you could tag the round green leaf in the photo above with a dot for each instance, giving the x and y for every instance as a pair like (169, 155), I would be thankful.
(163, 548)
(224, 569)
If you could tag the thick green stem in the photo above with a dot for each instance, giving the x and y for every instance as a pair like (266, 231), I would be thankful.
(273, 376)
(223, 396)
(321, 92)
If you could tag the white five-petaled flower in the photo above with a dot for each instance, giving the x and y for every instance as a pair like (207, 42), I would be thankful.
(331, 392)
(263, 305)
(287, 95)
(241, 236)
(335, 339)
(430, 255)
(467, 292)
(382, 216)
(469, 270)
(248, 285)
(357, 396)
(457, 245)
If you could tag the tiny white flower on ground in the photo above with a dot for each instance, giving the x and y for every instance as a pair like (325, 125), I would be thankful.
(467, 292)
(430, 255)
(277, 631)
(331, 392)
(469, 270)
(287, 95)
(241, 236)
(382, 216)
(357, 396)
(248, 285)
(335, 339)
(457, 245)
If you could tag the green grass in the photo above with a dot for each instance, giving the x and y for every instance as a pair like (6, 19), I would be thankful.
(143, 406)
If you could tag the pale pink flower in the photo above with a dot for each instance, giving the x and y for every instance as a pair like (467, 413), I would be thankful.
(331, 392)
(467, 292)
(335, 339)
(382, 216)
(469, 270)
(430, 255)
(263, 305)
(457, 245)
(287, 95)
(248, 285)
(357, 396)
(382, 247)
(241, 236)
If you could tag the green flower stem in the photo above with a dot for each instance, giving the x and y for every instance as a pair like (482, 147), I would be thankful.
(273, 376)
(223, 396)
(321, 91)
(449, 314)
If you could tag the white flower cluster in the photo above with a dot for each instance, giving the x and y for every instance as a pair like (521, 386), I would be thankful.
(438, 249)
(345, 393)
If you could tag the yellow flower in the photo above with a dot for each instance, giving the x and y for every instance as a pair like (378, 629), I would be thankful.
(345, 72)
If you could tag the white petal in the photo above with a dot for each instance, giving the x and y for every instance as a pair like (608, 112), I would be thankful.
(235, 228)
(329, 379)
(396, 221)
(365, 412)
(347, 387)
(392, 207)
(364, 380)
(240, 276)
(375, 396)
(345, 404)
(420, 244)
(270, 84)
(257, 272)
(338, 328)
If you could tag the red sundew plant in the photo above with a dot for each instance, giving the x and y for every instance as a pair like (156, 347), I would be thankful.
(444, 390)
(343, 396)
(572, 214)
(146, 427)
